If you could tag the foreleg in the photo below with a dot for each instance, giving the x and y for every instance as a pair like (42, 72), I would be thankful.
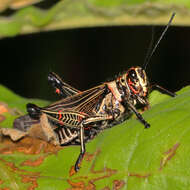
(139, 116)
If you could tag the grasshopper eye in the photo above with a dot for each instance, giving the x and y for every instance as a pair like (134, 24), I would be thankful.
(132, 75)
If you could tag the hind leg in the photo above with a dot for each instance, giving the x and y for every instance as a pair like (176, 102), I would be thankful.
(82, 150)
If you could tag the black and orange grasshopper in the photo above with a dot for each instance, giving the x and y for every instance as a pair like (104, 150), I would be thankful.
(98, 108)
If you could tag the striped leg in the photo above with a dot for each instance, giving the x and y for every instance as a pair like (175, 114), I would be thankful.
(83, 123)
(82, 150)
(66, 135)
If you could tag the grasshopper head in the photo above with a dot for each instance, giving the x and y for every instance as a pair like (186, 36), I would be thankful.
(136, 83)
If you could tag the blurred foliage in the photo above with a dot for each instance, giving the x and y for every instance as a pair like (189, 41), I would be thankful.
(16, 4)
(125, 156)
(89, 13)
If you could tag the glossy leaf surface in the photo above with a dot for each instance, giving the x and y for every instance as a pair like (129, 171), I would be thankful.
(126, 156)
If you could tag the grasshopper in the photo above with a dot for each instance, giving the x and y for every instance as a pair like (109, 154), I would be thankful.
(102, 106)
(98, 108)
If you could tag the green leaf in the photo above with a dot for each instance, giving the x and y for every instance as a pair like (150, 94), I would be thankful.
(89, 13)
(16, 104)
(126, 156)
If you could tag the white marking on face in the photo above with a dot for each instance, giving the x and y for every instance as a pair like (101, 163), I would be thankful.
(142, 81)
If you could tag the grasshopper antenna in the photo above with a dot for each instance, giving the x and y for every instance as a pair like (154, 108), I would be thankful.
(148, 57)
(149, 47)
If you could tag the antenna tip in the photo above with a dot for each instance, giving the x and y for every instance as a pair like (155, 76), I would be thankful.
(173, 14)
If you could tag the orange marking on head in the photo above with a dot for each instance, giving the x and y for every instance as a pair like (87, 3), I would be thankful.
(130, 83)
(145, 94)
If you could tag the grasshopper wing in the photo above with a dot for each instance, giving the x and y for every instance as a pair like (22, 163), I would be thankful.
(85, 101)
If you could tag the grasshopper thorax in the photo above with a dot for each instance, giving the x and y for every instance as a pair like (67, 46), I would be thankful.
(134, 84)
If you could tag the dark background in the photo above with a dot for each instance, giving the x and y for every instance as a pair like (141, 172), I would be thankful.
(88, 56)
